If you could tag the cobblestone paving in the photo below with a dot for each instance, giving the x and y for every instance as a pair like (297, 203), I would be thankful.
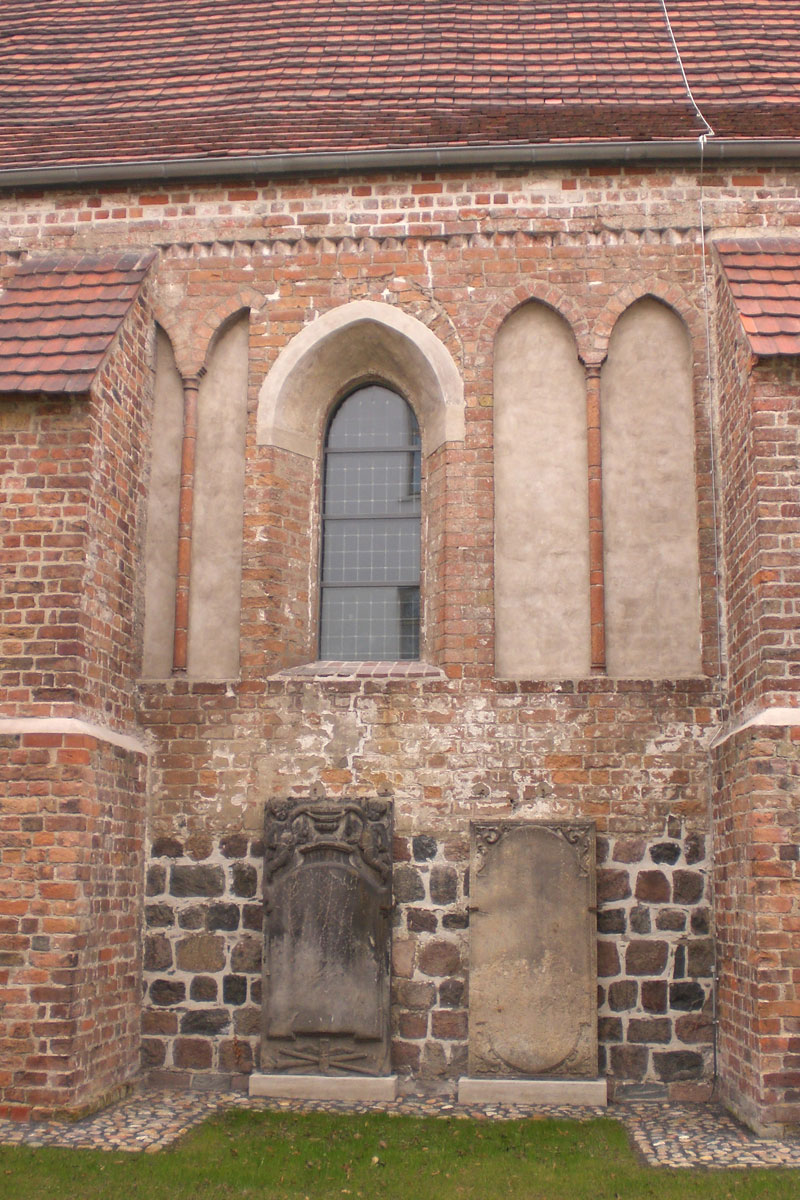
(666, 1135)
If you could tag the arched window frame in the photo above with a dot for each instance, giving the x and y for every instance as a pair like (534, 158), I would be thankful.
(370, 532)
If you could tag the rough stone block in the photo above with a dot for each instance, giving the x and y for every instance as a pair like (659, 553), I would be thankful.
(200, 952)
(444, 885)
(678, 1064)
(646, 957)
(196, 880)
(167, 991)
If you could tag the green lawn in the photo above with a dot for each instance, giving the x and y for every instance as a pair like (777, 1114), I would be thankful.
(277, 1155)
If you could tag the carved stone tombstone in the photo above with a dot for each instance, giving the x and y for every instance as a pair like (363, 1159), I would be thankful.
(533, 973)
(327, 899)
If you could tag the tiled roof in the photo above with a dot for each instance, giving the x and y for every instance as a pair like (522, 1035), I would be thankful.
(100, 81)
(764, 278)
(59, 315)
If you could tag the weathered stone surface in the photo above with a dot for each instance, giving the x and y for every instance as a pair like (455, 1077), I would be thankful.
(202, 952)
(234, 989)
(196, 880)
(247, 955)
(413, 994)
(167, 847)
(659, 1029)
(640, 919)
(234, 845)
(652, 886)
(236, 1056)
(205, 1020)
(533, 976)
(678, 1064)
(607, 959)
(199, 846)
(159, 916)
(654, 995)
(154, 1052)
(156, 880)
(157, 953)
(253, 917)
(245, 880)
(192, 918)
(628, 851)
(421, 920)
(665, 852)
(646, 958)
(629, 1062)
(622, 995)
(671, 918)
(192, 1053)
(701, 958)
(328, 894)
(408, 885)
(439, 958)
(167, 991)
(223, 916)
(694, 1028)
(424, 847)
(612, 885)
(451, 993)
(444, 885)
(203, 988)
(159, 1020)
(611, 920)
(455, 920)
(695, 848)
(688, 887)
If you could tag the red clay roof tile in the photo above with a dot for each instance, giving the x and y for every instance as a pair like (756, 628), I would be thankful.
(763, 275)
(99, 81)
(59, 315)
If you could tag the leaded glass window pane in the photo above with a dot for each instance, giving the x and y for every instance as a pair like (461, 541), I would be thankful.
(371, 529)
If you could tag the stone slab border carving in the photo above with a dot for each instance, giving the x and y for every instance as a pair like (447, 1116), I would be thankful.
(356, 342)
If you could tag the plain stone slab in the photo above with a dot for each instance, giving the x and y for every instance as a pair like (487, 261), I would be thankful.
(532, 1091)
(352, 1088)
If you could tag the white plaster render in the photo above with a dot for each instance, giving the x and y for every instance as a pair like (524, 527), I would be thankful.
(73, 726)
(216, 571)
(161, 544)
(352, 344)
(541, 498)
(652, 574)
(776, 716)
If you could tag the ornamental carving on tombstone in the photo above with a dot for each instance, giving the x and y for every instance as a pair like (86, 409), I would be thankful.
(327, 905)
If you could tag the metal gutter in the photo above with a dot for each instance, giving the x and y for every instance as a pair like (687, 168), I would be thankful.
(367, 160)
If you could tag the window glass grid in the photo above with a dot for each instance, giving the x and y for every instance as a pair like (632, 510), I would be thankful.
(370, 599)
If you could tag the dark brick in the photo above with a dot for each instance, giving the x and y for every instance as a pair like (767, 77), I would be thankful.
(154, 1053)
(653, 886)
(192, 1054)
(167, 847)
(200, 952)
(159, 915)
(449, 1025)
(607, 959)
(246, 956)
(439, 958)
(412, 994)
(203, 988)
(678, 1064)
(698, 1027)
(412, 1025)
(695, 848)
(628, 1062)
(421, 920)
(234, 845)
(444, 885)
(646, 957)
(701, 921)
(671, 918)
(665, 852)
(408, 885)
(622, 995)
(236, 1056)
(609, 1029)
(612, 885)
(611, 920)
(156, 880)
(640, 919)
(424, 847)
(223, 916)
(686, 996)
(659, 1029)
(167, 991)
(157, 953)
(192, 918)
(701, 958)
(245, 880)
(654, 995)
(197, 881)
(205, 1020)
(688, 887)
(451, 993)
(253, 917)
(234, 989)
(455, 920)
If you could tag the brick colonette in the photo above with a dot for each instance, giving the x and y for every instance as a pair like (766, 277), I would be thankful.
(130, 883)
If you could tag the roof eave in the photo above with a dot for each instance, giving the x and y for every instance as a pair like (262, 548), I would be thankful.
(530, 153)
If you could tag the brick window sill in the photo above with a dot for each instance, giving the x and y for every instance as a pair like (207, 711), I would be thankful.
(362, 670)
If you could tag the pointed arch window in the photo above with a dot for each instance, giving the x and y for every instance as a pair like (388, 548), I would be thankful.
(370, 598)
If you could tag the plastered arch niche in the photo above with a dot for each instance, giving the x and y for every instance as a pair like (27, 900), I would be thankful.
(541, 499)
(356, 342)
(652, 575)
(218, 507)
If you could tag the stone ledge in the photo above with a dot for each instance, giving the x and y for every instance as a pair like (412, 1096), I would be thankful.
(352, 1088)
(334, 669)
(532, 1091)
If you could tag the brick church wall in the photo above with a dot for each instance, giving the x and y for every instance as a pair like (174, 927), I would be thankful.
(73, 814)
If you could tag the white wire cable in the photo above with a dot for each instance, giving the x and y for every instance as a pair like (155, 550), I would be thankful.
(709, 130)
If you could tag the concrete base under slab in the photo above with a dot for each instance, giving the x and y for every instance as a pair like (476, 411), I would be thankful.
(532, 1091)
(352, 1088)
